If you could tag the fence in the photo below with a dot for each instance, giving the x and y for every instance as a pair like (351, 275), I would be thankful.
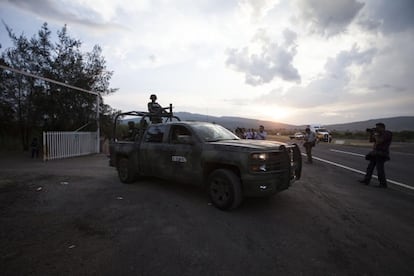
(59, 144)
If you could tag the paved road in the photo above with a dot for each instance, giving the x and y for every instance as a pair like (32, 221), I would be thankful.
(73, 217)
(399, 171)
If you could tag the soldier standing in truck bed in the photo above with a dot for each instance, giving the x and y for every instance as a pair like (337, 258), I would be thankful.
(155, 109)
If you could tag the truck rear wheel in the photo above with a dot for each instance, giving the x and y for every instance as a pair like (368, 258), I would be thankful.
(224, 189)
(125, 172)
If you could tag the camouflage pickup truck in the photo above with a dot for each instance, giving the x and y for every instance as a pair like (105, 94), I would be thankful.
(206, 154)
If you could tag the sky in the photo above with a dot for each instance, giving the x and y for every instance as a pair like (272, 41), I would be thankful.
(289, 61)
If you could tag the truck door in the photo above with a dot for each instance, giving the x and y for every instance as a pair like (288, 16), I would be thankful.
(153, 150)
(183, 155)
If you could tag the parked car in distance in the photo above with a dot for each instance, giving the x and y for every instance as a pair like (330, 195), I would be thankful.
(297, 136)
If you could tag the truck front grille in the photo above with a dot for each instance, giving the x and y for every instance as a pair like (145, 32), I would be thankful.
(276, 161)
(287, 160)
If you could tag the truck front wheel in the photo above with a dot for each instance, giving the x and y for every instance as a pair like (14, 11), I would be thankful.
(125, 172)
(224, 189)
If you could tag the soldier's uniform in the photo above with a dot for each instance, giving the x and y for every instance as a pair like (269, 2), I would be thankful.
(132, 131)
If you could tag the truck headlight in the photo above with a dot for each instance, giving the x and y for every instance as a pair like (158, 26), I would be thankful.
(258, 162)
(259, 156)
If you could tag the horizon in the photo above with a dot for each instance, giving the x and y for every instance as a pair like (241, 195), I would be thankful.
(302, 124)
(294, 61)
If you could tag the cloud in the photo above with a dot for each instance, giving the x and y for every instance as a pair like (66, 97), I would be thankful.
(369, 24)
(328, 17)
(388, 16)
(68, 13)
(257, 8)
(391, 72)
(356, 84)
(337, 67)
(331, 87)
(269, 61)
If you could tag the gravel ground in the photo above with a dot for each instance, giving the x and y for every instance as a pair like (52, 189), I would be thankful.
(74, 217)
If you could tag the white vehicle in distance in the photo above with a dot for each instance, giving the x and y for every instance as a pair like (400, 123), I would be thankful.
(297, 136)
(322, 134)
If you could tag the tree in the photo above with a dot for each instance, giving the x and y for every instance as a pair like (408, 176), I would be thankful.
(35, 104)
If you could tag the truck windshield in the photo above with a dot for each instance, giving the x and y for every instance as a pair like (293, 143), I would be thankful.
(214, 133)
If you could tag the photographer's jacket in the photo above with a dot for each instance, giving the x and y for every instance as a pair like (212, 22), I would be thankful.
(382, 142)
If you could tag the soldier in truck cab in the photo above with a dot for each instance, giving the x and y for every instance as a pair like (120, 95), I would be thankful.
(132, 131)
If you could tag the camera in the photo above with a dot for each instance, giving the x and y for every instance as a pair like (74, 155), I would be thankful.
(371, 130)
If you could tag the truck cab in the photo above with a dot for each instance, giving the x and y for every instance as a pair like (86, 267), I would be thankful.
(322, 134)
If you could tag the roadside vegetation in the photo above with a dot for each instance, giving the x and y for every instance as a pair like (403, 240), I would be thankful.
(29, 106)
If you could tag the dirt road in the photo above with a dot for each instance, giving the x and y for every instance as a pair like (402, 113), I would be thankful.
(74, 217)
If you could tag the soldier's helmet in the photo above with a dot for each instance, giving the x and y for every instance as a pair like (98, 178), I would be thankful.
(153, 97)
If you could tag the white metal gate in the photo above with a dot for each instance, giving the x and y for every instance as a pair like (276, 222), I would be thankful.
(63, 144)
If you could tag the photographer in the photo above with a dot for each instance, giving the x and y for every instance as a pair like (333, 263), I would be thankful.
(379, 155)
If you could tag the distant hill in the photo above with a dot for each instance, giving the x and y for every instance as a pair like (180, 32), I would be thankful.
(393, 124)
(234, 122)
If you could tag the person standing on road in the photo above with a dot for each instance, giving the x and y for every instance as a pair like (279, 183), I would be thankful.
(310, 140)
(262, 134)
(250, 134)
(379, 155)
(35, 148)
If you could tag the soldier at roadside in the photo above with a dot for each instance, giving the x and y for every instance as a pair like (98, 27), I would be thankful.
(310, 140)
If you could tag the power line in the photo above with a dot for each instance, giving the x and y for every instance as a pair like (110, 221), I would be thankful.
(68, 86)
(47, 79)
